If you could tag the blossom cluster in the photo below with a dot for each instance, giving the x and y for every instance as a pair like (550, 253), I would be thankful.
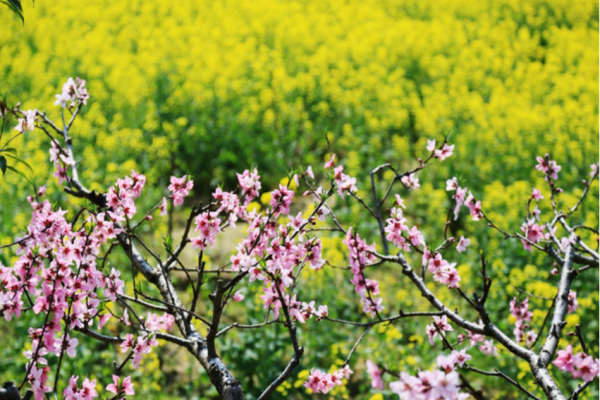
(345, 183)
(444, 152)
(163, 323)
(322, 382)
(487, 347)
(549, 167)
(57, 269)
(138, 348)
(250, 184)
(73, 91)
(580, 365)
(121, 387)
(463, 199)
(440, 383)
(439, 326)
(443, 271)
(361, 255)
(180, 188)
(520, 310)
(87, 391)
(272, 253)
(27, 123)
(120, 199)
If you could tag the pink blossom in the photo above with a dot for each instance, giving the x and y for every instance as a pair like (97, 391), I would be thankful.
(440, 324)
(74, 91)
(408, 387)
(416, 237)
(209, 226)
(594, 168)
(163, 323)
(399, 201)
(114, 285)
(330, 163)
(452, 184)
(70, 348)
(163, 207)
(27, 123)
(346, 371)
(319, 382)
(533, 231)
(445, 152)
(103, 320)
(536, 213)
(564, 360)
(447, 363)
(345, 183)
(88, 390)
(121, 387)
(250, 184)
(125, 318)
(71, 391)
(180, 188)
(431, 145)
(297, 222)
(530, 338)
(127, 343)
(488, 348)
(429, 385)
(475, 338)
(281, 199)
(460, 197)
(372, 307)
(375, 374)
(520, 310)
(537, 195)
(395, 226)
(474, 207)
(550, 168)
(310, 172)
(322, 312)
(410, 181)
(143, 346)
(461, 357)
(238, 296)
(462, 245)
(572, 304)
(586, 368)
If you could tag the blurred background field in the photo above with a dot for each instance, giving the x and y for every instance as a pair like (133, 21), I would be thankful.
(210, 88)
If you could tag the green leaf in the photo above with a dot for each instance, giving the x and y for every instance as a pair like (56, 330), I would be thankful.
(17, 172)
(9, 150)
(20, 160)
(3, 164)
(168, 243)
(15, 5)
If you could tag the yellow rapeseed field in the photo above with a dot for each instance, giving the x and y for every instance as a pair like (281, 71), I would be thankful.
(209, 87)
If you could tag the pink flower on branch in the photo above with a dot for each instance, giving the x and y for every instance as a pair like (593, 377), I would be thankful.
(444, 152)
(180, 188)
(537, 195)
(439, 326)
(410, 181)
(488, 348)
(462, 245)
(451, 184)
(375, 373)
(121, 387)
(431, 145)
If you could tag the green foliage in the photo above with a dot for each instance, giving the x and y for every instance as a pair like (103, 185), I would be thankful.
(15, 6)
